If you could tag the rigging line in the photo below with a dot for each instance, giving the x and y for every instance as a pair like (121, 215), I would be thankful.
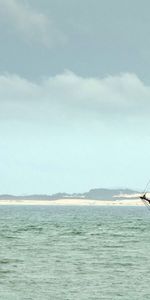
(146, 204)
(146, 187)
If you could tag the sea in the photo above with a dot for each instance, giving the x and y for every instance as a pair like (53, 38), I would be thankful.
(74, 253)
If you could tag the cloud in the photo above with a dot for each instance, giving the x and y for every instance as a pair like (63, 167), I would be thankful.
(31, 26)
(69, 96)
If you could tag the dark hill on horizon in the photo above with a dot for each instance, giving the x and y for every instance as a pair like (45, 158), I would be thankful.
(97, 194)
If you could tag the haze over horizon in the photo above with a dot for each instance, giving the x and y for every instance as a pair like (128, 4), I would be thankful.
(74, 95)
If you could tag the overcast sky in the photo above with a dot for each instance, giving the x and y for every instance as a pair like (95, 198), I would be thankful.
(74, 95)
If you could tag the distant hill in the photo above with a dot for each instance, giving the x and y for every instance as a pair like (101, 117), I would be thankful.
(106, 194)
(97, 194)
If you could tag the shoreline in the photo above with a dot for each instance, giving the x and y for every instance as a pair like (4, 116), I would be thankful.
(74, 202)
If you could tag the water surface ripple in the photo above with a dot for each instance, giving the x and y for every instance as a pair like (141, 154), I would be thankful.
(66, 253)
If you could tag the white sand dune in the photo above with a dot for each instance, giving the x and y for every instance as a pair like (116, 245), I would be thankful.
(82, 202)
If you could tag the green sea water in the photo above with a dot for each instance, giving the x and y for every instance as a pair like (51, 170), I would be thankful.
(80, 253)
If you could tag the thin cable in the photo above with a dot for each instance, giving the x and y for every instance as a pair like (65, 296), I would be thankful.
(146, 187)
(146, 204)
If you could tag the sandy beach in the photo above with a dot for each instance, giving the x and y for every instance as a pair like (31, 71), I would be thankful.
(76, 202)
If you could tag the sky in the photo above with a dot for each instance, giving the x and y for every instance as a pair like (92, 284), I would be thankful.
(74, 95)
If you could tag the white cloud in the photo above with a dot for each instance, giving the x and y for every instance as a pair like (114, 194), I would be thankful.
(29, 24)
(70, 96)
